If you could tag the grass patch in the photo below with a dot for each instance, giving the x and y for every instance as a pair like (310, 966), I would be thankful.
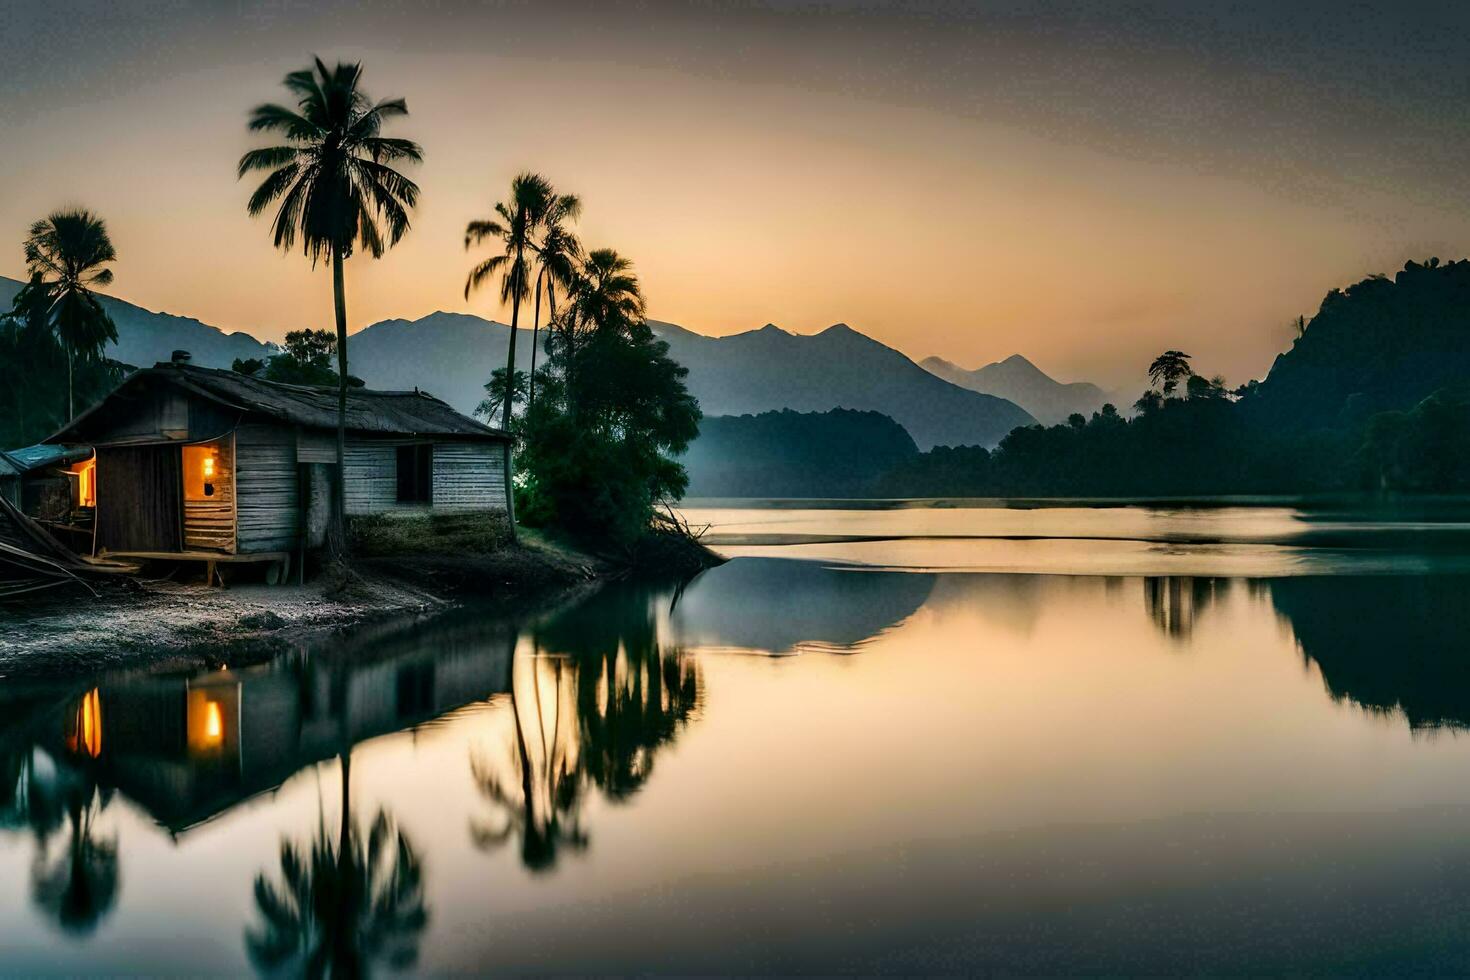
(428, 532)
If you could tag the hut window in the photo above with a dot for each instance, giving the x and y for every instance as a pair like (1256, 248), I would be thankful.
(415, 474)
(204, 472)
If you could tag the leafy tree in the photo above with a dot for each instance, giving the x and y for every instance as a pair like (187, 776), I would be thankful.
(334, 187)
(614, 411)
(66, 252)
(305, 359)
(1424, 449)
(1198, 386)
(1168, 369)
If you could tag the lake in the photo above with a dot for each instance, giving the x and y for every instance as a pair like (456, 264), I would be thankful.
(922, 737)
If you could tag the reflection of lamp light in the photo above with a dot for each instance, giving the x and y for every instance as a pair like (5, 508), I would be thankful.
(208, 467)
(214, 725)
(86, 734)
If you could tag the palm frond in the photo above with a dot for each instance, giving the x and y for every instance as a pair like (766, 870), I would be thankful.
(477, 231)
(483, 271)
(266, 158)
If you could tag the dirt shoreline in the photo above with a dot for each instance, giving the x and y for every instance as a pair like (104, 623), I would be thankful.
(141, 624)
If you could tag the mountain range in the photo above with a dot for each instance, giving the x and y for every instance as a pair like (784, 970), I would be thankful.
(145, 337)
(1018, 380)
(452, 354)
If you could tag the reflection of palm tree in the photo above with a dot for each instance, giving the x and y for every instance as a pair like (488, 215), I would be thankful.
(539, 790)
(78, 886)
(591, 706)
(344, 905)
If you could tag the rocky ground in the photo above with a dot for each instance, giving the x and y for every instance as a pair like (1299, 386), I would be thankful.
(148, 622)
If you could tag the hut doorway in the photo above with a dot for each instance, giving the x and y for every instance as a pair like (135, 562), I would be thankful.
(138, 499)
(209, 496)
(166, 499)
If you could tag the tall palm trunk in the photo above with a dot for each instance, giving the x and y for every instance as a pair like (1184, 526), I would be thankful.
(510, 397)
(338, 536)
(535, 342)
(71, 402)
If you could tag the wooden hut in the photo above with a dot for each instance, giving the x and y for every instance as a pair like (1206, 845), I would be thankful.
(200, 463)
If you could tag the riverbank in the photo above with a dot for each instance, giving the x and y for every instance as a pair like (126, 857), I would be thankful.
(142, 622)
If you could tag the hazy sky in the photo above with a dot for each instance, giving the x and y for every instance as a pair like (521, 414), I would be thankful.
(1084, 183)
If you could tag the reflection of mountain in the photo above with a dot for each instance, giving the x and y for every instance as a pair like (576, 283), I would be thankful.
(1387, 642)
(777, 605)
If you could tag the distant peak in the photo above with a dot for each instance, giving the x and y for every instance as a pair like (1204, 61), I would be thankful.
(1017, 360)
(770, 328)
(839, 328)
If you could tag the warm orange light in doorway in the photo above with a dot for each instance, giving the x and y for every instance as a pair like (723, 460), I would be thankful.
(86, 472)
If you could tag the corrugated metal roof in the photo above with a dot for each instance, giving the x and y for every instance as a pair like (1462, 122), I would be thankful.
(387, 412)
(36, 457)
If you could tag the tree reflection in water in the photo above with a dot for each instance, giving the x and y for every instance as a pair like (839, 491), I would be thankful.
(1391, 644)
(74, 876)
(341, 905)
(593, 700)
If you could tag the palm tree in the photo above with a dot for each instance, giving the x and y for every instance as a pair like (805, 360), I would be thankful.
(556, 265)
(514, 221)
(605, 296)
(496, 394)
(66, 251)
(1168, 369)
(337, 192)
(531, 196)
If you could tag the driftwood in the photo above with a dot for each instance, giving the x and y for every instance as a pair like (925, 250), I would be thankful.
(32, 560)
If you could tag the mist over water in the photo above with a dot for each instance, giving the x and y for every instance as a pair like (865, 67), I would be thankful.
(857, 751)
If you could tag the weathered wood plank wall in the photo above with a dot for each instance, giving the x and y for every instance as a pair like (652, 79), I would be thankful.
(469, 476)
(266, 503)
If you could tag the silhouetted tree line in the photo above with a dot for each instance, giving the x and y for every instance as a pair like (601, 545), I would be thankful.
(1374, 394)
(795, 454)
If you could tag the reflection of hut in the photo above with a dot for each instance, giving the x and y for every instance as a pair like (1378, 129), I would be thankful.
(188, 748)
(195, 462)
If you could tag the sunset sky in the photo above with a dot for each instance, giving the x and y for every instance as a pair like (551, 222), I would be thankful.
(1083, 183)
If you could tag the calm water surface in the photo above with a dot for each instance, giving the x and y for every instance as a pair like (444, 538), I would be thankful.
(924, 739)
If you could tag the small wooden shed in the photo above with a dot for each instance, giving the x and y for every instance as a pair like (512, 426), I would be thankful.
(200, 463)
